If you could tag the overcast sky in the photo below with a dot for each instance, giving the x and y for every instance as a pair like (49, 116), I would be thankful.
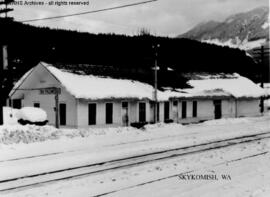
(163, 17)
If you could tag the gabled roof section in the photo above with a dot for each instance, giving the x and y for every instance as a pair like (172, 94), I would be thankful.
(84, 86)
(234, 84)
(20, 82)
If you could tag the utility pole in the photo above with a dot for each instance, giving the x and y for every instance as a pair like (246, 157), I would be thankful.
(155, 47)
(262, 77)
(259, 55)
(4, 56)
(57, 108)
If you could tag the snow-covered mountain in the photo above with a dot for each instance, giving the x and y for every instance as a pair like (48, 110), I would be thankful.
(244, 30)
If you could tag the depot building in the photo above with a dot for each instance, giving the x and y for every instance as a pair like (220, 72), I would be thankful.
(81, 100)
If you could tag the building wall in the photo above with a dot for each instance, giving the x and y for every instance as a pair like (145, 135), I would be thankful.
(228, 108)
(161, 112)
(42, 79)
(205, 110)
(248, 107)
(133, 115)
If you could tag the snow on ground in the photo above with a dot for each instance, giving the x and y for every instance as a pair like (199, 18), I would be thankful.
(266, 25)
(67, 148)
(248, 177)
(226, 121)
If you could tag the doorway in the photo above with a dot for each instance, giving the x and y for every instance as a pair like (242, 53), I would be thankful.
(218, 109)
(142, 112)
(125, 113)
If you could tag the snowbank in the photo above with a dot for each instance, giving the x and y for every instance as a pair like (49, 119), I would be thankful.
(32, 114)
(163, 125)
(13, 134)
(226, 121)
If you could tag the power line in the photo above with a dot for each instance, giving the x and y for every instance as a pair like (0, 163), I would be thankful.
(89, 12)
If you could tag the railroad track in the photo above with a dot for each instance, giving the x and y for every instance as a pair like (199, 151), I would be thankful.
(176, 175)
(69, 173)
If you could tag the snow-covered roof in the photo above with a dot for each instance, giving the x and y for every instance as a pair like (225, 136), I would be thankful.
(97, 87)
(94, 87)
(236, 86)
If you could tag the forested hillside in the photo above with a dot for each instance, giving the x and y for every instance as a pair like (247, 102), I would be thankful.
(131, 56)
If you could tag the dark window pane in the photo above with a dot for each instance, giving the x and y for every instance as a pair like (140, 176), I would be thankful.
(109, 113)
(17, 103)
(124, 104)
(63, 114)
(142, 112)
(92, 110)
(36, 105)
(184, 109)
(194, 111)
(157, 111)
(166, 111)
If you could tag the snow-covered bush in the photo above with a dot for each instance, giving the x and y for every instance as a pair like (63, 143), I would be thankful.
(32, 115)
(13, 134)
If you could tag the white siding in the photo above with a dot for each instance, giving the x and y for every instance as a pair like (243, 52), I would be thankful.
(41, 78)
(205, 110)
(161, 112)
(100, 114)
(248, 107)
(133, 111)
(133, 115)
(228, 108)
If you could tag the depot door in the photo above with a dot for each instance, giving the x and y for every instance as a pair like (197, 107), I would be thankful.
(125, 113)
(142, 112)
(218, 109)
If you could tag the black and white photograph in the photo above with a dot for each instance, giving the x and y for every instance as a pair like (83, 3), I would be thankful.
(137, 98)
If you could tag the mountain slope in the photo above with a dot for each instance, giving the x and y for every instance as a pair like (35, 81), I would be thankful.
(119, 56)
(245, 30)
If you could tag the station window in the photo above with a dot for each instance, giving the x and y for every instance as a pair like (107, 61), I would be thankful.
(37, 105)
(92, 112)
(142, 112)
(109, 113)
(194, 109)
(63, 113)
(184, 109)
